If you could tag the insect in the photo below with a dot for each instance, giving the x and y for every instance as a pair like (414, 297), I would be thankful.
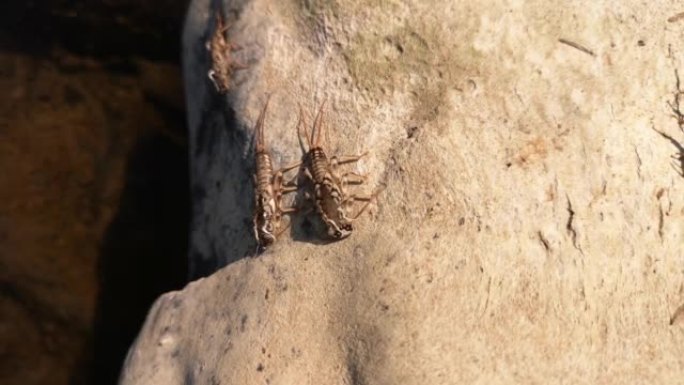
(330, 198)
(268, 189)
(222, 63)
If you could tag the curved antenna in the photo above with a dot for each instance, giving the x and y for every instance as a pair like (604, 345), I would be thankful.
(217, 6)
(302, 122)
(316, 130)
(259, 128)
(219, 22)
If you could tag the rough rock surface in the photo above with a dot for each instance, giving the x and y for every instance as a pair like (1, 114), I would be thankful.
(533, 222)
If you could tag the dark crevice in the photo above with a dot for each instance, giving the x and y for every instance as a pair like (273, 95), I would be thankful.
(661, 223)
(544, 241)
(102, 29)
(143, 254)
(570, 226)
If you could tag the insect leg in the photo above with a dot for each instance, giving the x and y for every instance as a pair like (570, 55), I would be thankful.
(367, 199)
(288, 168)
(220, 24)
(278, 179)
(283, 230)
(352, 178)
(344, 159)
(288, 189)
(290, 210)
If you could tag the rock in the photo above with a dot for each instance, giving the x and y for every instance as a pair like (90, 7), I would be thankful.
(532, 225)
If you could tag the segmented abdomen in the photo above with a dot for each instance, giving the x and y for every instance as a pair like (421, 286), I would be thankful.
(319, 164)
(264, 171)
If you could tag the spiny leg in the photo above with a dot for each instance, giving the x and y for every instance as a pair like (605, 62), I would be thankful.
(291, 210)
(361, 211)
(367, 199)
(336, 161)
(292, 184)
(303, 210)
(289, 167)
(283, 230)
(355, 178)
(286, 210)
(285, 187)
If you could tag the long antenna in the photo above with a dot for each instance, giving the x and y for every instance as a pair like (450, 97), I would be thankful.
(302, 123)
(316, 130)
(259, 128)
(217, 7)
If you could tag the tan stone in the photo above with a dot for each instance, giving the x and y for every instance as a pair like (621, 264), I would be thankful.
(532, 226)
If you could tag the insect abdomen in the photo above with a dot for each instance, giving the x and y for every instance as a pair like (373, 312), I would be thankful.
(264, 171)
(319, 164)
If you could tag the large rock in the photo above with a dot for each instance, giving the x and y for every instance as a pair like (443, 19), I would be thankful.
(532, 226)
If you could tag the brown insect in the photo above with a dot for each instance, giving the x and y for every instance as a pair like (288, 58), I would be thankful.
(222, 62)
(330, 198)
(268, 189)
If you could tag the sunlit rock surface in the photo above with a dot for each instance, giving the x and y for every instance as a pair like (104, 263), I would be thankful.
(532, 226)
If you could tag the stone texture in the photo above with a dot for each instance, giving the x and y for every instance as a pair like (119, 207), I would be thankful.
(532, 226)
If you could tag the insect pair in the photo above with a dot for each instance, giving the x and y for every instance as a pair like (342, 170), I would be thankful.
(330, 198)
